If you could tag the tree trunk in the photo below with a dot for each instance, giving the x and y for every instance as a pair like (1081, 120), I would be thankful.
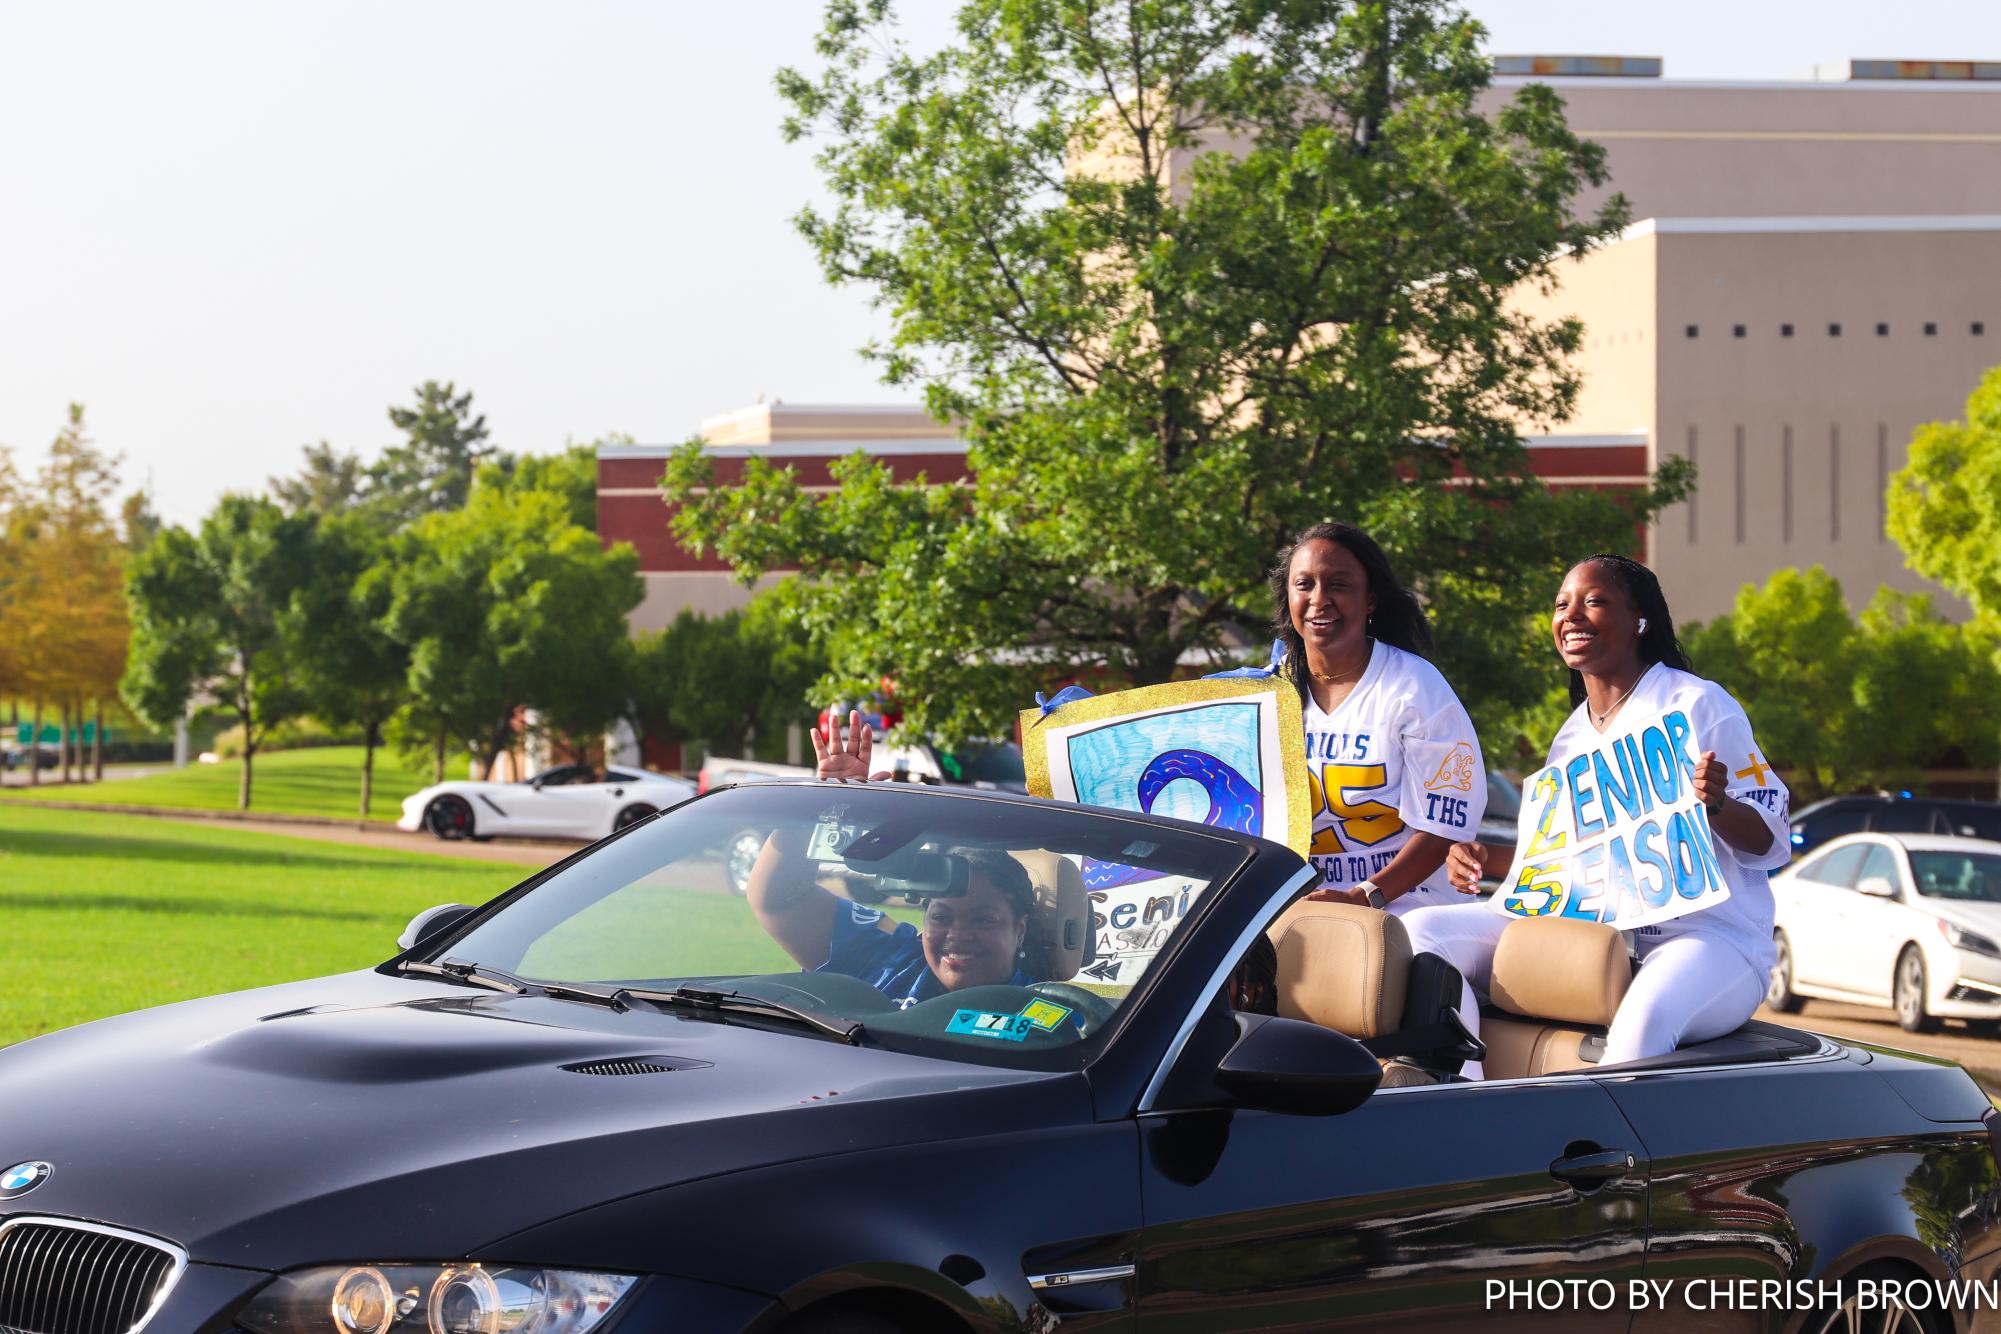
(369, 741)
(97, 746)
(63, 716)
(438, 762)
(498, 741)
(249, 750)
(35, 747)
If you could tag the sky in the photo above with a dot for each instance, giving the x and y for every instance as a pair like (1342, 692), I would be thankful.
(233, 229)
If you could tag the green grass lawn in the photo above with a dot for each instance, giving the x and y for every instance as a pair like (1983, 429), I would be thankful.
(109, 913)
(320, 781)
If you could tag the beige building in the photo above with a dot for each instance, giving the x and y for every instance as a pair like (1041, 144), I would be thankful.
(1814, 270)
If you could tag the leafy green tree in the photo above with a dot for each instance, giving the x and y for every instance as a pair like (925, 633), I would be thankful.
(431, 471)
(205, 619)
(719, 679)
(331, 481)
(1168, 360)
(572, 474)
(346, 661)
(507, 606)
(1944, 508)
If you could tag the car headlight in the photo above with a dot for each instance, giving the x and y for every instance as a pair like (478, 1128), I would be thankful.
(434, 1299)
(1971, 941)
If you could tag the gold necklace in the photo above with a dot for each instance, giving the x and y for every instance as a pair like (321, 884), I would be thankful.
(1337, 680)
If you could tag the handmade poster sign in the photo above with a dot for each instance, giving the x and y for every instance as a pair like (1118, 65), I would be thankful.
(1228, 753)
(1616, 834)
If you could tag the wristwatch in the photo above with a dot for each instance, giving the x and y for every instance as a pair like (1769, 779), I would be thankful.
(1373, 895)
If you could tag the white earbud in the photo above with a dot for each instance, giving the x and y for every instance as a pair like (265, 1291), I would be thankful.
(1643, 625)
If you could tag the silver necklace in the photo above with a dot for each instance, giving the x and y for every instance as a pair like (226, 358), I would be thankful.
(1598, 719)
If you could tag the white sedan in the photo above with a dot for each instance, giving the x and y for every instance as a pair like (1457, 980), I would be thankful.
(568, 801)
(1912, 921)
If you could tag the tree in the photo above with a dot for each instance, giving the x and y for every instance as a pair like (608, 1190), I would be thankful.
(205, 617)
(1944, 504)
(720, 679)
(336, 636)
(1168, 360)
(330, 482)
(431, 471)
(507, 606)
(572, 474)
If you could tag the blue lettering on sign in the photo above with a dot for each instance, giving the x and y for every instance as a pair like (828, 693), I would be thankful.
(1586, 825)
(1644, 838)
(1635, 769)
(1124, 914)
(1662, 771)
(1587, 888)
(1626, 796)
(1622, 887)
(1705, 843)
(990, 1024)
(1691, 877)
(1678, 734)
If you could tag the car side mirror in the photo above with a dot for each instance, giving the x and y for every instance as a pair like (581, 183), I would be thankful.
(429, 923)
(1876, 887)
(1289, 1065)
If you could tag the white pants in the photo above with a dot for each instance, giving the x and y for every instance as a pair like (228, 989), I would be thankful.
(1688, 989)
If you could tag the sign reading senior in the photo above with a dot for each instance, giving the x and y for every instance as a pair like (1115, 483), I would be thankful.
(1616, 834)
(1228, 753)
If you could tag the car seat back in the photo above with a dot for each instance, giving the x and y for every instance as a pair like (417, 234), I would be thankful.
(1351, 969)
(1059, 930)
(1557, 983)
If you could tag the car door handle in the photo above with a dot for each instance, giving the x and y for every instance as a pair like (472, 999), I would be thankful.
(1588, 1171)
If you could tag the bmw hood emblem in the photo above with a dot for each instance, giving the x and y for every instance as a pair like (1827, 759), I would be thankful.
(22, 1178)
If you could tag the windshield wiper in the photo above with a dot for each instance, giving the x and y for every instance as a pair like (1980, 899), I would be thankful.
(485, 975)
(737, 1002)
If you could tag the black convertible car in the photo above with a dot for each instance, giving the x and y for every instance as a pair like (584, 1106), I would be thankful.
(1174, 1099)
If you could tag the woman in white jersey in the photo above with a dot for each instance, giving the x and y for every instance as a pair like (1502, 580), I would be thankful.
(1391, 756)
(1701, 975)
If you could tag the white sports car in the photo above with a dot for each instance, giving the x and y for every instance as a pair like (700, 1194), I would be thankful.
(568, 801)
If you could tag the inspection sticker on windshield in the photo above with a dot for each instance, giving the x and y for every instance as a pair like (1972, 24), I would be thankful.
(988, 1024)
(1045, 1015)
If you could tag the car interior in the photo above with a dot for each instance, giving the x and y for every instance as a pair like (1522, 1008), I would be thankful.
(1556, 985)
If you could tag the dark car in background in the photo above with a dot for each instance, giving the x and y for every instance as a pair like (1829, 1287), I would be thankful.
(1900, 814)
(608, 1102)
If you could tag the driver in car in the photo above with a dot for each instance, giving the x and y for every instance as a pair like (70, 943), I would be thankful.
(968, 940)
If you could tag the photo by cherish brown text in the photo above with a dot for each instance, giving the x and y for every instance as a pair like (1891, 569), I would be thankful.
(1742, 1294)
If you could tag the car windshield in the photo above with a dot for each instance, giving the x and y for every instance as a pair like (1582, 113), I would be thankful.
(986, 930)
(1504, 799)
(1958, 875)
(992, 765)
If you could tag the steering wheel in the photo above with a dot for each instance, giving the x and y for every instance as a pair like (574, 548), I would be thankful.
(1093, 1008)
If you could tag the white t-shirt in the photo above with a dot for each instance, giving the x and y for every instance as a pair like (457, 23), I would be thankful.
(1744, 920)
(1398, 754)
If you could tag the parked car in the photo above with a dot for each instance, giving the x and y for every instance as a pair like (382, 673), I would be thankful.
(14, 755)
(1912, 921)
(1900, 814)
(568, 801)
(603, 1102)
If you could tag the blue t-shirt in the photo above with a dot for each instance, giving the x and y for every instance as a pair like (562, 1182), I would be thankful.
(890, 961)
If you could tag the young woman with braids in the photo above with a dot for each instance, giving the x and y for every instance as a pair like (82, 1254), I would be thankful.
(1391, 756)
(1701, 975)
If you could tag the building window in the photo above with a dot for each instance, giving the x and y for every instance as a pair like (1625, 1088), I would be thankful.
(1834, 483)
(1834, 331)
(1736, 331)
(1786, 484)
(1931, 330)
(1882, 331)
(1694, 492)
(1978, 329)
(1785, 331)
(1740, 485)
(1692, 331)
(1882, 482)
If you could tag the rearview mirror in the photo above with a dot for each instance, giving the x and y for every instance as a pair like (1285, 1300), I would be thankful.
(1876, 887)
(429, 923)
(1289, 1065)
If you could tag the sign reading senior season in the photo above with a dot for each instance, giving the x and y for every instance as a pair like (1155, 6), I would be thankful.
(1616, 834)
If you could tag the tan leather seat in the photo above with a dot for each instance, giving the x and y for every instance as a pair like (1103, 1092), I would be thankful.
(1562, 980)
(1059, 933)
(1346, 968)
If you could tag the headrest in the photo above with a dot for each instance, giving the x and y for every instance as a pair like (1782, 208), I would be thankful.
(1342, 966)
(1561, 969)
(1059, 932)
